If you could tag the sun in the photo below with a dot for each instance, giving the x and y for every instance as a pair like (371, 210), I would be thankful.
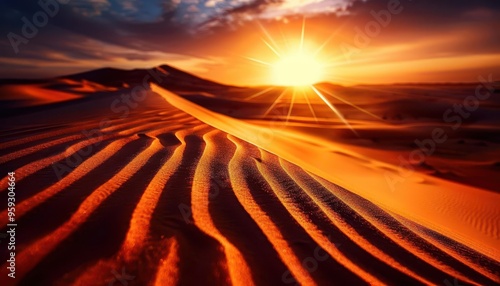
(299, 62)
(297, 69)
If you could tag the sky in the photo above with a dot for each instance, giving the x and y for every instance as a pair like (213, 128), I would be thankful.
(238, 42)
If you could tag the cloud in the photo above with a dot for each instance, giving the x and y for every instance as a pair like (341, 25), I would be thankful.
(304, 7)
(192, 9)
(127, 10)
(78, 53)
(90, 8)
(213, 3)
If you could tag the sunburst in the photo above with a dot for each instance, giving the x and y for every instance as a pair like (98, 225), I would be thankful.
(298, 69)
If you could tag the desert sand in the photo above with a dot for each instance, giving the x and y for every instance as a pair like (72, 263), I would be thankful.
(198, 183)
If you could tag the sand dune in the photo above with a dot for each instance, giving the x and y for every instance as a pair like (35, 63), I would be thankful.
(177, 194)
(24, 95)
(436, 205)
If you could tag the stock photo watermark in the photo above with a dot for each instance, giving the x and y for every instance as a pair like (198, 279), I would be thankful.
(120, 278)
(310, 263)
(426, 147)
(276, 123)
(447, 282)
(11, 232)
(31, 26)
(372, 29)
(121, 106)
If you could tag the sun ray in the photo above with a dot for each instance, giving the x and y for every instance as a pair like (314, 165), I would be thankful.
(259, 93)
(310, 106)
(284, 39)
(330, 105)
(302, 34)
(295, 66)
(320, 48)
(276, 101)
(272, 48)
(323, 45)
(291, 106)
(270, 38)
(300, 68)
(258, 61)
(351, 104)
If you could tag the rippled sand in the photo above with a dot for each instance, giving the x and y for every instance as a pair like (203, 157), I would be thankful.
(176, 194)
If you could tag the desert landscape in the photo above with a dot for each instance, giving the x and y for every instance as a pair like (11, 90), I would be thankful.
(192, 182)
(251, 142)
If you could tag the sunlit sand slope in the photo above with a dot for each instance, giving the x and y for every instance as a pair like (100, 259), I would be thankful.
(465, 213)
(176, 195)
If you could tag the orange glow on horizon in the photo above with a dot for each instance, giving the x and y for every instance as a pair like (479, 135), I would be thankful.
(224, 58)
(295, 61)
(327, 52)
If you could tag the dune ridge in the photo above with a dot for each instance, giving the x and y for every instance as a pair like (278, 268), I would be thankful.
(411, 201)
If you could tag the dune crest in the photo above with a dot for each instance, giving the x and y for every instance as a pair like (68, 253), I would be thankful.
(442, 206)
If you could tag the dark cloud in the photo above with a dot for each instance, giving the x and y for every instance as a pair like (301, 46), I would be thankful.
(419, 20)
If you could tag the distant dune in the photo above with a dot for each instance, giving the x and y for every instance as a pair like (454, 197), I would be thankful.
(199, 183)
